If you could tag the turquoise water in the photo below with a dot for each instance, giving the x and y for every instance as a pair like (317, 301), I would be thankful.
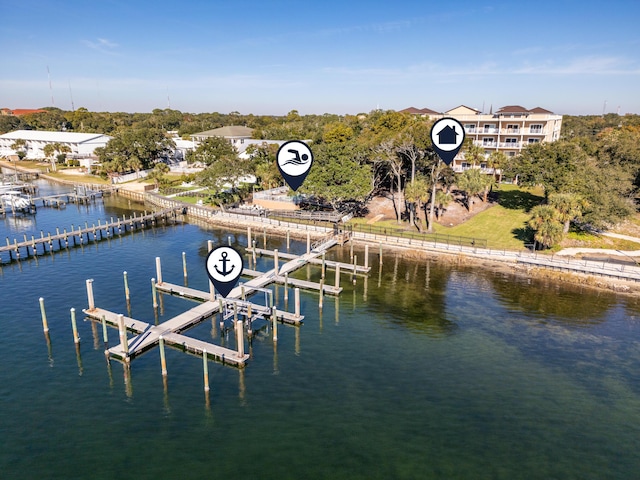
(422, 370)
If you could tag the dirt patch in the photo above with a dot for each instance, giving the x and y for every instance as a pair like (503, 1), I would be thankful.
(381, 208)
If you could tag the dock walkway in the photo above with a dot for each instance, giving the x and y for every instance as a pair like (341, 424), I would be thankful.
(148, 335)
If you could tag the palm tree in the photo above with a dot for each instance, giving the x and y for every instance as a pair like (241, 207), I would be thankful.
(20, 147)
(570, 206)
(497, 160)
(546, 224)
(417, 194)
(442, 200)
(471, 183)
(474, 154)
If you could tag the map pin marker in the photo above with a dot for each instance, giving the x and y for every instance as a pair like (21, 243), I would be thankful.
(224, 267)
(294, 160)
(447, 136)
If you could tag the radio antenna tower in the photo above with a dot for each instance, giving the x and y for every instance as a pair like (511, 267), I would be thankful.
(53, 104)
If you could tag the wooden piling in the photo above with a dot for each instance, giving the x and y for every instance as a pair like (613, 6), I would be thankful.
(286, 286)
(105, 334)
(249, 237)
(45, 325)
(163, 360)
(126, 287)
(158, 271)
(154, 293)
(366, 256)
(205, 369)
(288, 234)
(275, 261)
(184, 266)
(337, 276)
(123, 334)
(380, 253)
(296, 293)
(274, 321)
(355, 263)
(322, 272)
(264, 238)
(92, 305)
(308, 243)
(74, 326)
(321, 293)
(240, 338)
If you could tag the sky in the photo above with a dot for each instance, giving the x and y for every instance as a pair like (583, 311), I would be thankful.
(324, 56)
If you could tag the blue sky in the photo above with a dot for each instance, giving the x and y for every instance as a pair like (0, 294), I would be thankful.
(270, 57)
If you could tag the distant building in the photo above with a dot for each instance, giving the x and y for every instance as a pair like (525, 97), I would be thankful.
(508, 130)
(82, 145)
(20, 111)
(240, 137)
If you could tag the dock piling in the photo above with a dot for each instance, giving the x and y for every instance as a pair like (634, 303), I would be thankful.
(286, 286)
(184, 266)
(105, 334)
(158, 271)
(205, 368)
(321, 293)
(275, 261)
(274, 321)
(126, 287)
(337, 276)
(366, 256)
(296, 293)
(163, 360)
(92, 305)
(123, 334)
(154, 293)
(74, 327)
(308, 243)
(45, 325)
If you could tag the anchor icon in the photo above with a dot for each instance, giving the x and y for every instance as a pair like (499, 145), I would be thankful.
(224, 261)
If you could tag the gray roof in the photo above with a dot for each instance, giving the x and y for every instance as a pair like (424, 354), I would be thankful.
(231, 131)
(48, 136)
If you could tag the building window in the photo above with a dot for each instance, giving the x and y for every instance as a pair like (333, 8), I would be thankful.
(488, 141)
(470, 128)
(536, 128)
(489, 127)
(513, 128)
(534, 140)
(511, 140)
(511, 154)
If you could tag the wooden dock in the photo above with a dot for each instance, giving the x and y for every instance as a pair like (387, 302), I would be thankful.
(294, 282)
(147, 336)
(345, 267)
(79, 236)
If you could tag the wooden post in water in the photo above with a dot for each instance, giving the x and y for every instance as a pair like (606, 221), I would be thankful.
(221, 311)
(239, 335)
(123, 334)
(296, 293)
(264, 238)
(212, 291)
(154, 293)
(248, 237)
(45, 325)
(105, 334)
(163, 360)
(74, 327)
(355, 263)
(323, 266)
(338, 275)
(205, 368)
(351, 250)
(126, 286)
(321, 293)
(366, 256)
(92, 305)
(288, 233)
(380, 253)
(184, 267)
(229, 240)
(308, 243)
(158, 271)
(286, 286)
(274, 320)
(275, 261)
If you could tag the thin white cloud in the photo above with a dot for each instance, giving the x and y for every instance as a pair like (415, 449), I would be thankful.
(102, 45)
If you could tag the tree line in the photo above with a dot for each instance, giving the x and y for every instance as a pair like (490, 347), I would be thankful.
(590, 177)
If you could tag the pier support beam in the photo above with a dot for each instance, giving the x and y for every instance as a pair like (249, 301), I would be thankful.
(337, 276)
(74, 326)
(240, 338)
(249, 237)
(275, 261)
(308, 243)
(296, 294)
(158, 271)
(205, 368)
(123, 335)
(163, 360)
(92, 305)
(45, 325)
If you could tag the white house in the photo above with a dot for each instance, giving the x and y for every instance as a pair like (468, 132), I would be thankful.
(82, 145)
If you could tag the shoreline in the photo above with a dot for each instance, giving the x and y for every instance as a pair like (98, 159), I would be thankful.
(594, 281)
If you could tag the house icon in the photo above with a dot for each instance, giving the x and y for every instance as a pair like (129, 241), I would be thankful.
(447, 136)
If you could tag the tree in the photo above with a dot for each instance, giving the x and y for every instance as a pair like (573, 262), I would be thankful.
(337, 176)
(474, 154)
(387, 154)
(134, 150)
(264, 166)
(570, 206)
(417, 194)
(20, 147)
(442, 200)
(158, 172)
(471, 183)
(50, 150)
(546, 224)
(211, 150)
(497, 161)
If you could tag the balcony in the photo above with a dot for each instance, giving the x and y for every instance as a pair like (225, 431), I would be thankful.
(535, 131)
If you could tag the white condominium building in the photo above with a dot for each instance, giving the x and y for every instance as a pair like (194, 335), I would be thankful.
(509, 129)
